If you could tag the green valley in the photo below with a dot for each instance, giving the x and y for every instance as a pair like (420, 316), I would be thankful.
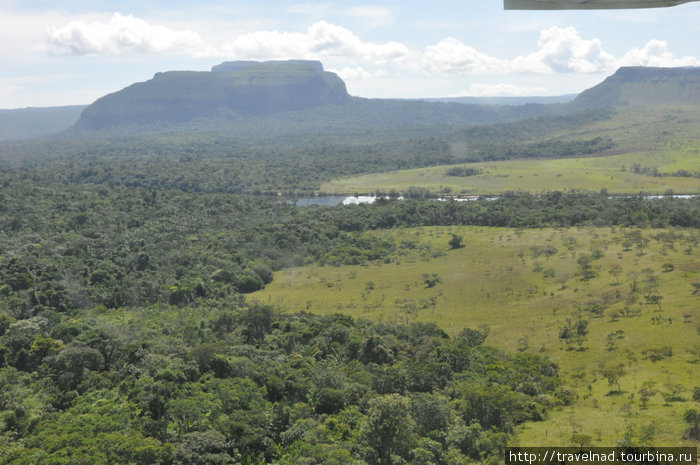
(164, 301)
(592, 299)
(654, 151)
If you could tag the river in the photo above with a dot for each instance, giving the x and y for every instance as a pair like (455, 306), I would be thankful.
(333, 200)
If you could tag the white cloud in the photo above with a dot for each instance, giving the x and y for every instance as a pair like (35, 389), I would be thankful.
(559, 50)
(321, 40)
(655, 53)
(563, 50)
(352, 74)
(123, 34)
(450, 56)
(501, 90)
(357, 73)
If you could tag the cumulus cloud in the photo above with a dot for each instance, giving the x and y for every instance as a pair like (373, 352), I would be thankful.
(559, 50)
(357, 73)
(501, 90)
(321, 40)
(450, 56)
(353, 74)
(655, 53)
(563, 50)
(122, 34)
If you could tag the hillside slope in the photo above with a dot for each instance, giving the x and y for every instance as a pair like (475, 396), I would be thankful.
(277, 98)
(238, 88)
(24, 123)
(641, 86)
(298, 97)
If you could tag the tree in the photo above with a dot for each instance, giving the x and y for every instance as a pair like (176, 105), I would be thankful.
(673, 393)
(70, 366)
(466, 438)
(696, 287)
(19, 338)
(646, 392)
(258, 322)
(328, 400)
(588, 271)
(612, 338)
(431, 412)
(205, 448)
(473, 337)
(574, 332)
(651, 281)
(615, 271)
(431, 280)
(389, 429)
(692, 418)
(456, 242)
(582, 439)
(97, 430)
(654, 299)
(248, 281)
(613, 373)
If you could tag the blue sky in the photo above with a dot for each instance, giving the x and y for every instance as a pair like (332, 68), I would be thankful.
(72, 52)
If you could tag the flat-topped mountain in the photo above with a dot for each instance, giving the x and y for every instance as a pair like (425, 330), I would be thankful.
(239, 87)
(641, 86)
(297, 96)
(280, 66)
(275, 97)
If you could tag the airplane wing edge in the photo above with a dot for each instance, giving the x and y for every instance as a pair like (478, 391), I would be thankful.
(587, 4)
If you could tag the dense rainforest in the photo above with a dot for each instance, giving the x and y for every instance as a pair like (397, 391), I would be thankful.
(124, 307)
(294, 165)
(126, 260)
(130, 246)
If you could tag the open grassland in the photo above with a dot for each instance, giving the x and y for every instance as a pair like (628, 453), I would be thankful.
(617, 309)
(661, 139)
(613, 173)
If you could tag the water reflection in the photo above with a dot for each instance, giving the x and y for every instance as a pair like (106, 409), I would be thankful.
(333, 200)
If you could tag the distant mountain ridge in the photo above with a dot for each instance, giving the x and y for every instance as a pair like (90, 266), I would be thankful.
(543, 100)
(247, 88)
(297, 96)
(240, 65)
(644, 86)
(26, 123)
(273, 98)
(244, 87)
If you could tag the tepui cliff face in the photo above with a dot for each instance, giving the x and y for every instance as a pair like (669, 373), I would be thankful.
(643, 86)
(239, 87)
(249, 88)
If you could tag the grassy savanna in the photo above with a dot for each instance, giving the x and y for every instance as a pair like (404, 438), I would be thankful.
(617, 309)
(659, 139)
(613, 173)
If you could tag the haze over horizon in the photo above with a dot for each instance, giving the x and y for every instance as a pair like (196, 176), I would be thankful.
(75, 52)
